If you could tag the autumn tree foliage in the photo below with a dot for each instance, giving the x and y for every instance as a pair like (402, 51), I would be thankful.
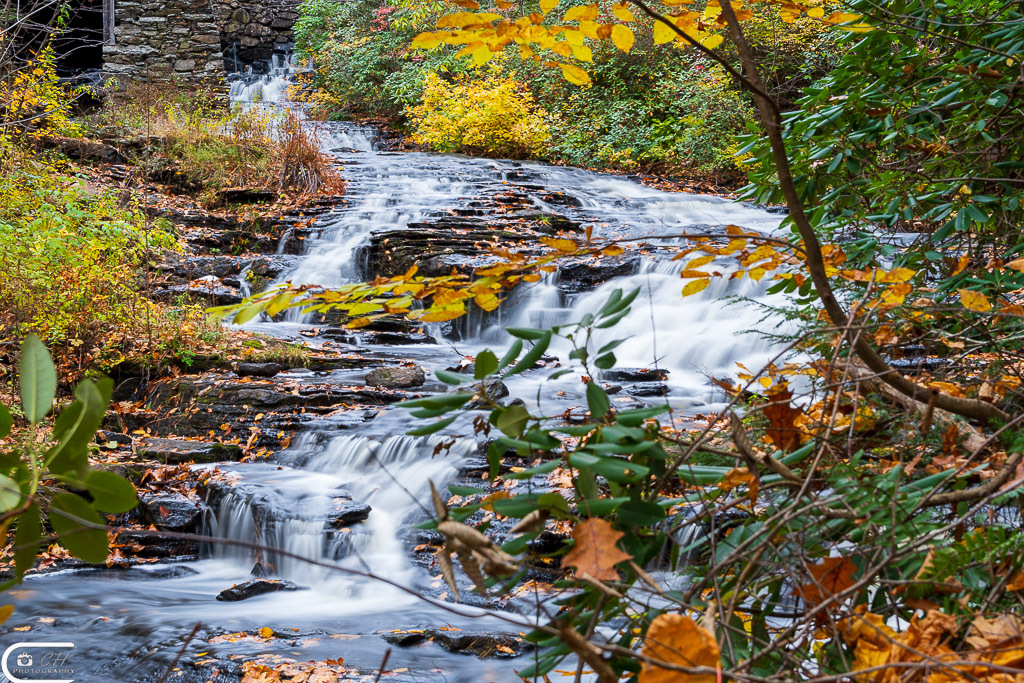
(858, 532)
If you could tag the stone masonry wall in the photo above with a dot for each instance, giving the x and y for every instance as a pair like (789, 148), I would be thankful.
(165, 40)
(252, 32)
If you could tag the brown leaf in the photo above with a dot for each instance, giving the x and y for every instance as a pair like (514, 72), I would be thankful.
(782, 429)
(741, 476)
(831, 577)
(677, 639)
(595, 552)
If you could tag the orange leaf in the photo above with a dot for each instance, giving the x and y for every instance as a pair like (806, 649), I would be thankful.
(563, 245)
(738, 476)
(782, 430)
(677, 639)
(831, 577)
(595, 552)
(266, 632)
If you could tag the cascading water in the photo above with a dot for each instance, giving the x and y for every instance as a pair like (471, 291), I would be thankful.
(305, 502)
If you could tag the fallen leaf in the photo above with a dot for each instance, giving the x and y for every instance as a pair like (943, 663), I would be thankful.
(831, 577)
(677, 639)
(595, 552)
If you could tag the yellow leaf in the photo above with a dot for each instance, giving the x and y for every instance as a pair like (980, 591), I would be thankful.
(461, 19)
(5, 613)
(699, 261)
(815, 12)
(266, 632)
(897, 275)
(1017, 264)
(695, 286)
(482, 55)
(487, 301)
(426, 41)
(677, 639)
(582, 13)
(563, 245)
(548, 5)
(468, 4)
(974, 301)
(613, 250)
(503, 4)
(574, 74)
(688, 274)
(663, 33)
(711, 42)
(841, 17)
(440, 314)
(622, 13)
(582, 53)
(622, 37)
(589, 29)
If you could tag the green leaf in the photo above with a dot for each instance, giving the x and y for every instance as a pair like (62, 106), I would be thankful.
(553, 501)
(526, 332)
(450, 377)
(597, 401)
(249, 312)
(516, 506)
(549, 466)
(464, 490)
(38, 379)
(486, 363)
(76, 428)
(600, 506)
(532, 356)
(431, 428)
(512, 420)
(635, 418)
(513, 352)
(605, 361)
(26, 540)
(6, 421)
(68, 517)
(10, 494)
(638, 513)
(111, 492)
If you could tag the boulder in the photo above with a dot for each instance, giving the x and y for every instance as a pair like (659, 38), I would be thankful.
(250, 589)
(635, 375)
(348, 511)
(257, 369)
(172, 510)
(396, 378)
(648, 389)
(177, 451)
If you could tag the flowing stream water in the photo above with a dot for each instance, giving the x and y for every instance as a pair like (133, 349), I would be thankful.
(129, 625)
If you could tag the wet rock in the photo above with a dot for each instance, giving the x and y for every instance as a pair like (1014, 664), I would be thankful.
(648, 389)
(250, 589)
(348, 512)
(257, 369)
(212, 291)
(635, 375)
(177, 451)
(406, 638)
(247, 195)
(172, 511)
(149, 545)
(104, 437)
(396, 378)
(482, 644)
(582, 276)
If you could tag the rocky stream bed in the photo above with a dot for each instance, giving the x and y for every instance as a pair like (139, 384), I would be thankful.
(255, 469)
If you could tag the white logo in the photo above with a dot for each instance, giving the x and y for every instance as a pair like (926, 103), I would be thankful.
(53, 662)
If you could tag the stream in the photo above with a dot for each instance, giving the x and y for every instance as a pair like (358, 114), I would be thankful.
(129, 624)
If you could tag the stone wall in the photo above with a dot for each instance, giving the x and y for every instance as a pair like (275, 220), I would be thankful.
(252, 32)
(165, 40)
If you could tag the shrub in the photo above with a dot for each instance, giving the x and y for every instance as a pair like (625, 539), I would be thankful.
(494, 116)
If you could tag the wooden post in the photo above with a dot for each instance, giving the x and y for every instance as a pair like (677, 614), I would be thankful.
(108, 22)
